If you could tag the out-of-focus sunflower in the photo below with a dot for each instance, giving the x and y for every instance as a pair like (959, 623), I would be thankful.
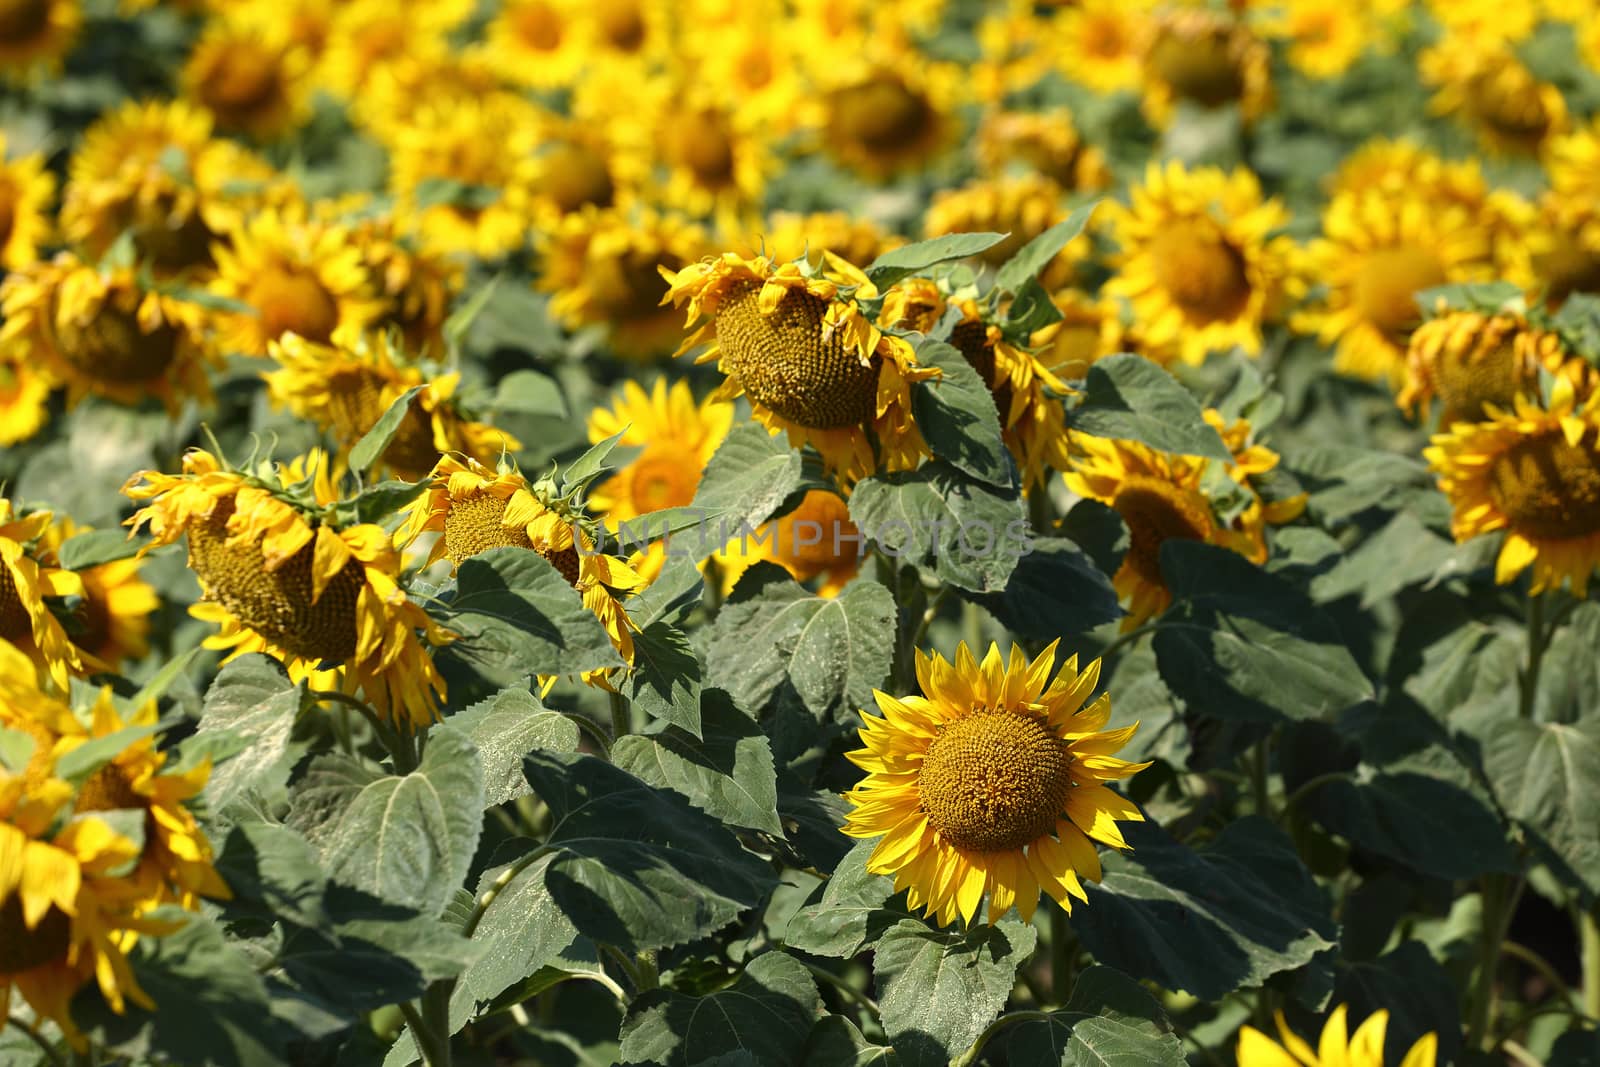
(1337, 1047)
(1471, 362)
(1013, 52)
(29, 576)
(578, 165)
(36, 35)
(282, 578)
(1376, 253)
(542, 44)
(1090, 329)
(26, 190)
(890, 115)
(111, 619)
(789, 235)
(1097, 43)
(296, 275)
(346, 388)
(1485, 22)
(991, 782)
(475, 508)
(98, 330)
(1022, 206)
(305, 24)
(1199, 262)
(1046, 142)
(386, 104)
(797, 344)
(815, 540)
(757, 63)
(1161, 496)
(675, 436)
(1206, 58)
(1534, 472)
(716, 161)
(631, 33)
(24, 397)
(247, 75)
(415, 284)
(1322, 39)
(1510, 109)
(604, 268)
(368, 37)
(1566, 239)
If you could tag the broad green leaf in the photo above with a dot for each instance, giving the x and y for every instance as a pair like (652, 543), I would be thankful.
(957, 416)
(666, 675)
(407, 839)
(253, 698)
(1404, 553)
(273, 873)
(939, 989)
(1342, 481)
(1240, 643)
(1109, 1021)
(727, 772)
(529, 392)
(671, 596)
(1206, 921)
(365, 452)
(840, 653)
(636, 866)
(515, 611)
(747, 478)
(506, 727)
(160, 682)
(1036, 255)
(1129, 398)
(909, 259)
(377, 502)
(1578, 323)
(848, 912)
(76, 766)
(16, 750)
(767, 1013)
(835, 1042)
(94, 547)
(589, 466)
(963, 531)
(460, 321)
(1030, 311)
(1055, 590)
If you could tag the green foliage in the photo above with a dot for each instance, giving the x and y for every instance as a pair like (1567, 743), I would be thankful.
(959, 530)
(957, 416)
(765, 1014)
(1132, 399)
(914, 258)
(1108, 1021)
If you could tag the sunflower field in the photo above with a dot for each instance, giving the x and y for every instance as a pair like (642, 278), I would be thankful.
(799, 533)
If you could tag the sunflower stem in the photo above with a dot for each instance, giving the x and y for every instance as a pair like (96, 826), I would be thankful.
(1537, 637)
(1589, 935)
(38, 1039)
(1063, 950)
(969, 1057)
(427, 1042)
(850, 992)
(621, 716)
(1499, 894)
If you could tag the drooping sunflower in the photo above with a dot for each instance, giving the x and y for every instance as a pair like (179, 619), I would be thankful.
(415, 284)
(297, 275)
(1162, 495)
(1471, 362)
(1510, 109)
(1199, 262)
(817, 539)
(1022, 206)
(1534, 472)
(249, 77)
(991, 782)
(676, 437)
(282, 578)
(790, 235)
(1097, 43)
(605, 268)
(1205, 57)
(29, 576)
(24, 397)
(1046, 142)
(475, 508)
(797, 344)
(36, 35)
(26, 190)
(890, 115)
(99, 331)
(345, 388)
(1377, 252)
(111, 619)
(1337, 1047)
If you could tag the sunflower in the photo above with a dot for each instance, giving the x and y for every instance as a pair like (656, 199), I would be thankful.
(578, 165)
(1534, 472)
(386, 104)
(1472, 362)
(888, 116)
(1377, 252)
(415, 284)
(24, 397)
(1336, 1048)
(346, 388)
(296, 276)
(1199, 262)
(26, 190)
(368, 37)
(1096, 43)
(991, 782)
(111, 619)
(1206, 58)
(1021, 206)
(248, 76)
(676, 438)
(475, 508)
(630, 33)
(716, 159)
(1012, 56)
(29, 576)
(283, 579)
(542, 44)
(790, 235)
(797, 344)
(1485, 21)
(99, 331)
(1512, 111)
(36, 35)
(1322, 39)
(605, 268)
(1566, 238)
(1045, 142)
(757, 63)
(815, 540)
(1162, 495)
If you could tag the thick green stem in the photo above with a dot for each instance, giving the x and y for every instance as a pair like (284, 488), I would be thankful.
(1311, 785)
(38, 1039)
(1123, 640)
(969, 1057)
(1500, 894)
(434, 1050)
(1589, 935)
(1063, 950)
(850, 992)
(621, 716)
(401, 744)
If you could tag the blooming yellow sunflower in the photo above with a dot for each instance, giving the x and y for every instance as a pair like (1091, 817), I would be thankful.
(716, 159)
(1013, 54)
(475, 508)
(1322, 39)
(1021, 206)
(1205, 57)
(991, 781)
(579, 164)
(26, 190)
(790, 235)
(1200, 263)
(1046, 142)
(36, 35)
(1534, 472)
(815, 540)
(249, 77)
(757, 62)
(24, 397)
(28, 577)
(1485, 21)
(346, 388)
(1161, 496)
(298, 276)
(111, 619)
(1566, 238)
(676, 437)
(98, 330)
(283, 579)
(797, 344)
(605, 268)
(893, 114)
(630, 33)
(1510, 109)
(1377, 252)
(386, 104)
(1336, 1048)
(542, 44)
(1097, 43)
(369, 37)
(1471, 362)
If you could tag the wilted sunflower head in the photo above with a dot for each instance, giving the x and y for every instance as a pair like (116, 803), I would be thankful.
(795, 341)
(36, 35)
(416, 284)
(1337, 1045)
(249, 77)
(1471, 362)
(1532, 470)
(31, 581)
(1206, 58)
(990, 781)
(285, 579)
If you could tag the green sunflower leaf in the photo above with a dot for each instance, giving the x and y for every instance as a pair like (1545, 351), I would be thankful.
(747, 479)
(909, 259)
(94, 547)
(506, 727)
(1036, 255)
(529, 392)
(1055, 590)
(1129, 398)
(666, 676)
(765, 1014)
(848, 912)
(252, 699)
(835, 1042)
(957, 416)
(365, 452)
(1109, 1021)
(589, 466)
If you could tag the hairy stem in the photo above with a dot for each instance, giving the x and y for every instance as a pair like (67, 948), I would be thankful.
(1500, 894)
(38, 1039)
(621, 716)
(434, 1051)
(850, 992)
